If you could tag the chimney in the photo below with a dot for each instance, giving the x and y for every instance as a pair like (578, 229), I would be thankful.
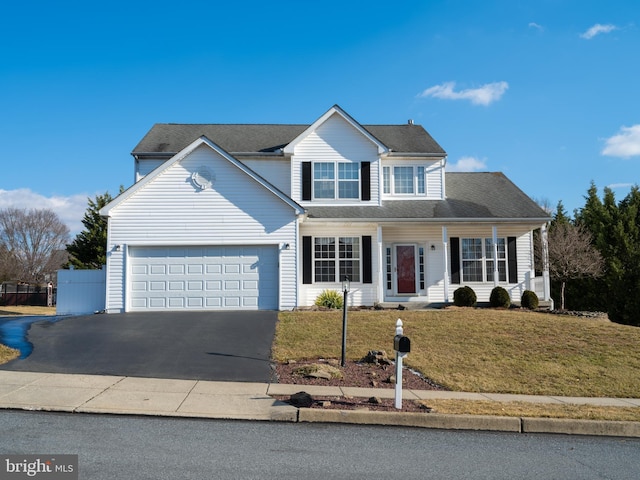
(410, 122)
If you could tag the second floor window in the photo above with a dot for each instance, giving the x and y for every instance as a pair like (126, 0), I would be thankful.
(404, 180)
(328, 185)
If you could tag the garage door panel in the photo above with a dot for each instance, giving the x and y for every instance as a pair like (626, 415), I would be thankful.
(157, 286)
(221, 277)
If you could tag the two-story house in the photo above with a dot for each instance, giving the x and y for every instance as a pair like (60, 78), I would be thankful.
(268, 216)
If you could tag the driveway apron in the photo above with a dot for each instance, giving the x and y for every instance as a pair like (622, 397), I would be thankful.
(218, 346)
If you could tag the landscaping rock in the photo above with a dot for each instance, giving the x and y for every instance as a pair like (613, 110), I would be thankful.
(301, 400)
(318, 370)
(377, 357)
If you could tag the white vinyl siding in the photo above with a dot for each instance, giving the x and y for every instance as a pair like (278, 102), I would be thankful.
(412, 178)
(170, 211)
(361, 293)
(335, 142)
(145, 166)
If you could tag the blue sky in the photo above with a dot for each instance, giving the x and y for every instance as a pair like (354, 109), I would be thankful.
(546, 91)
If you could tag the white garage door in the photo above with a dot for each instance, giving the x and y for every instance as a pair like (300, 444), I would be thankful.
(203, 278)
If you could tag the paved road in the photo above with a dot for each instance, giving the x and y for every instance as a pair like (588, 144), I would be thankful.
(220, 346)
(158, 448)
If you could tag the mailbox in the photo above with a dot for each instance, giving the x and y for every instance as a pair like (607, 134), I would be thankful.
(401, 344)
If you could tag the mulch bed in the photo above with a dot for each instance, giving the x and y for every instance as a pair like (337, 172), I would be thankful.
(357, 374)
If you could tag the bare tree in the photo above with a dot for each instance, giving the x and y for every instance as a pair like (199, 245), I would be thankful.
(31, 241)
(572, 256)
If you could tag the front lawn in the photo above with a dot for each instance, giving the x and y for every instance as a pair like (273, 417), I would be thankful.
(481, 350)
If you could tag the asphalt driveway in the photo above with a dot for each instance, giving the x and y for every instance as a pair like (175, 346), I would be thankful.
(219, 346)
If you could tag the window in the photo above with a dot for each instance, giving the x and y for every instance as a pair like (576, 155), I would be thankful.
(386, 179)
(471, 259)
(420, 180)
(324, 180)
(348, 180)
(477, 259)
(502, 259)
(326, 185)
(405, 180)
(330, 267)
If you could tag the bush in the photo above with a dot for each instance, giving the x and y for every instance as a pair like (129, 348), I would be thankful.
(529, 300)
(499, 298)
(464, 297)
(330, 299)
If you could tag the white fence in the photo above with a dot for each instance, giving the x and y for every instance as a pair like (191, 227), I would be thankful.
(81, 291)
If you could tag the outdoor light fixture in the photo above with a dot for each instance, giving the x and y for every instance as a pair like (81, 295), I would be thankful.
(117, 248)
(345, 284)
(433, 248)
(345, 290)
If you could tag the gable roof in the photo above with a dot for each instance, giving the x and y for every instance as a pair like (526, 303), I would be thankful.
(486, 196)
(167, 139)
(106, 210)
(336, 110)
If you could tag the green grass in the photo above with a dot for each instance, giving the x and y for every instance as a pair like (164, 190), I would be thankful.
(481, 350)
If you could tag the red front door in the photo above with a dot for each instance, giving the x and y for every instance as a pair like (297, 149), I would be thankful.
(406, 268)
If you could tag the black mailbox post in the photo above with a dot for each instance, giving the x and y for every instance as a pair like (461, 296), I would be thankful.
(401, 344)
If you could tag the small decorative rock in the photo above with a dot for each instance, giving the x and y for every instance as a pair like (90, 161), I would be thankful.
(377, 357)
(301, 399)
(375, 400)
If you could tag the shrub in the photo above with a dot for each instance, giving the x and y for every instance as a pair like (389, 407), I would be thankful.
(499, 298)
(329, 299)
(529, 300)
(464, 297)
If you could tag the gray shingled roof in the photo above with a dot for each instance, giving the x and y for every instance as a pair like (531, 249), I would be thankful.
(170, 138)
(469, 196)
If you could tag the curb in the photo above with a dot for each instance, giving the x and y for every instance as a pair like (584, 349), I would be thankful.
(473, 422)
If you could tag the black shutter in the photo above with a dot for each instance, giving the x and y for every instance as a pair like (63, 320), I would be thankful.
(365, 181)
(306, 181)
(307, 266)
(513, 260)
(455, 259)
(366, 260)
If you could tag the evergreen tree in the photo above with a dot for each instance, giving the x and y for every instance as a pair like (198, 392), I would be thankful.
(89, 249)
(616, 234)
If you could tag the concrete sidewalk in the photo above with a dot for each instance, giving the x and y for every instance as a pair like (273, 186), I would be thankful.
(253, 401)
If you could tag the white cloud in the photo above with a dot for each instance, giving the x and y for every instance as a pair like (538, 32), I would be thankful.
(484, 95)
(536, 26)
(598, 29)
(614, 186)
(69, 209)
(625, 144)
(467, 164)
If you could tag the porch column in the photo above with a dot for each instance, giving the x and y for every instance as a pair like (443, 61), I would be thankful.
(445, 242)
(381, 267)
(545, 263)
(496, 275)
